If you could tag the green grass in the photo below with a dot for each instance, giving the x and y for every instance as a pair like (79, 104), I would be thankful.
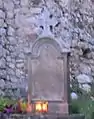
(85, 107)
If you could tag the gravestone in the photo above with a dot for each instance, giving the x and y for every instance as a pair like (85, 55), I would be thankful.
(48, 77)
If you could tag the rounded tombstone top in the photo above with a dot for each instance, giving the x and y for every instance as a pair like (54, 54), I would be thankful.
(45, 40)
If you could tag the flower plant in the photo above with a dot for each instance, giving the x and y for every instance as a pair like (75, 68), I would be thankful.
(12, 106)
(5, 103)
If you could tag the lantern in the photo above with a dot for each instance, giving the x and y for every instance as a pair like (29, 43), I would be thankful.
(41, 106)
(45, 107)
(38, 107)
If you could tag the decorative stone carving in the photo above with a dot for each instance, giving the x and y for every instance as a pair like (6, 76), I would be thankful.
(48, 25)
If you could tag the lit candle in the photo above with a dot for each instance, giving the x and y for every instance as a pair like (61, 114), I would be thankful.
(29, 106)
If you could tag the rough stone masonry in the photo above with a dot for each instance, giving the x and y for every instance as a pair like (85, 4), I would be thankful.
(21, 22)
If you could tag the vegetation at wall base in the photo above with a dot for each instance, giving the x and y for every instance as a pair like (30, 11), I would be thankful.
(80, 106)
(85, 107)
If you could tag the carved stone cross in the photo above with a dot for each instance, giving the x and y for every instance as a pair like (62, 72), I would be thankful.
(46, 23)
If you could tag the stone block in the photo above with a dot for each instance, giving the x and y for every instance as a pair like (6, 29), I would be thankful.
(77, 116)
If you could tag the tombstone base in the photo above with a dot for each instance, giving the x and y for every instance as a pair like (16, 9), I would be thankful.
(74, 116)
(21, 116)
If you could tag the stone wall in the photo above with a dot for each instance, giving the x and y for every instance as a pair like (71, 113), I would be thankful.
(82, 56)
(20, 25)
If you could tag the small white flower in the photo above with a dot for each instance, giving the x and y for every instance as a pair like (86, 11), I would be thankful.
(74, 95)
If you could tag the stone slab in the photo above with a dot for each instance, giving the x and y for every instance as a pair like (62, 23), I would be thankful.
(47, 75)
(74, 116)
